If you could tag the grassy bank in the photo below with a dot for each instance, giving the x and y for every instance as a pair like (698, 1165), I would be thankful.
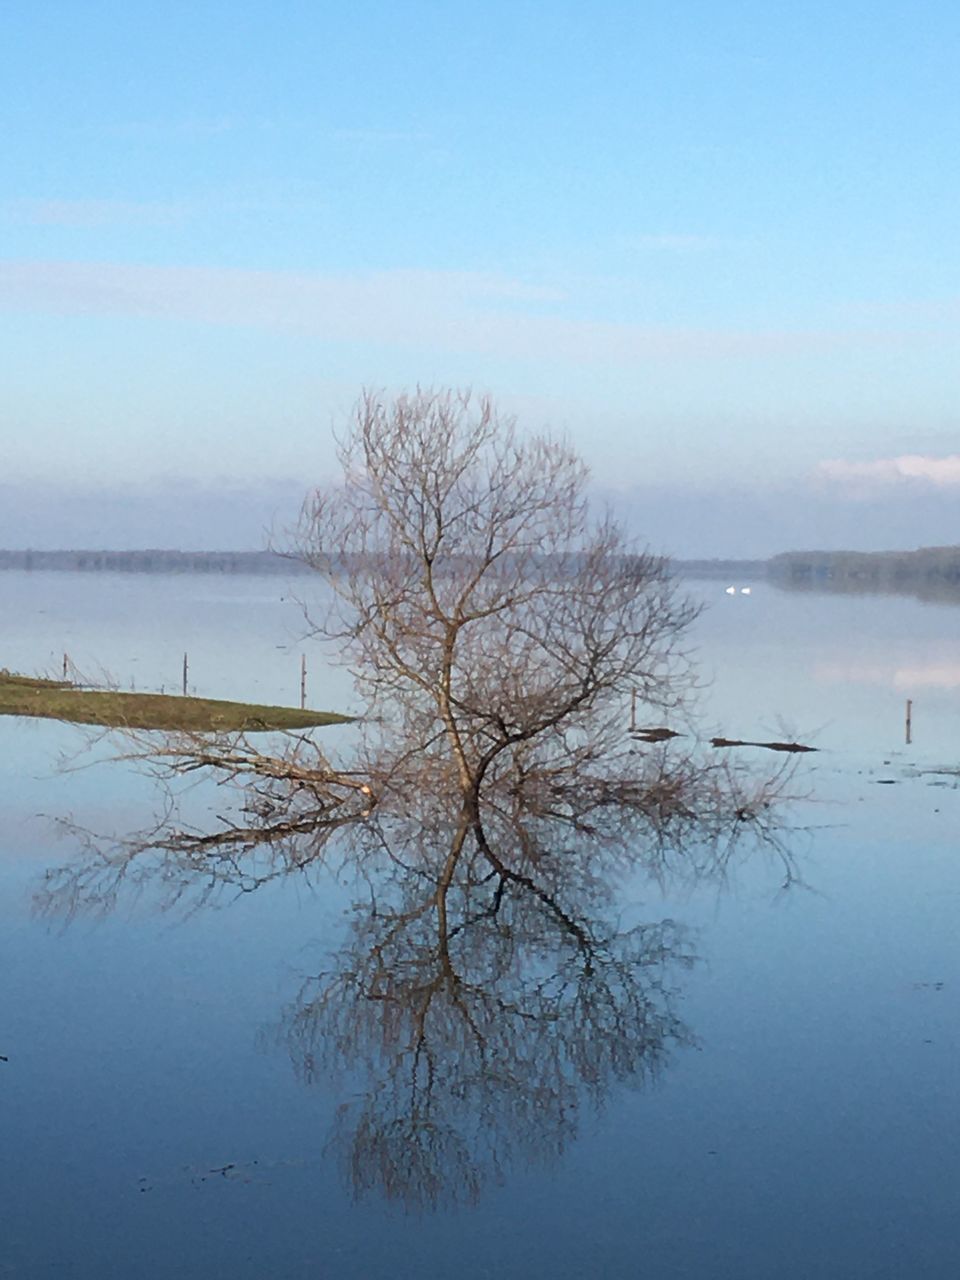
(56, 700)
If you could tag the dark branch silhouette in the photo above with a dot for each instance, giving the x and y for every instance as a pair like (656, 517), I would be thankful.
(493, 801)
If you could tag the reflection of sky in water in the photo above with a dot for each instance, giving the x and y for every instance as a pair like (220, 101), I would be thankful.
(835, 670)
(832, 669)
(932, 675)
(812, 1134)
(244, 635)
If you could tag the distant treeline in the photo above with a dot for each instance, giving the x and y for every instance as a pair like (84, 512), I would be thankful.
(931, 573)
(734, 570)
(158, 561)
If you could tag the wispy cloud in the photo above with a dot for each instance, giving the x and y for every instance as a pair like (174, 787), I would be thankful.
(188, 127)
(672, 242)
(908, 311)
(93, 214)
(910, 469)
(380, 137)
(201, 128)
(480, 313)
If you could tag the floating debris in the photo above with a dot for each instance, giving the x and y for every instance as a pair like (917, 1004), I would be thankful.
(767, 746)
(659, 734)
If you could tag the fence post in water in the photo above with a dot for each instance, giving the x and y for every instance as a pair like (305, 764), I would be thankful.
(184, 675)
(909, 723)
(303, 681)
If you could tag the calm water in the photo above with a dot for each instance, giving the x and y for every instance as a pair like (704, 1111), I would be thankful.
(159, 1119)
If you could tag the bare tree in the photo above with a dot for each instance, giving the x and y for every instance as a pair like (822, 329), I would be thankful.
(493, 629)
(492, 800)
(496, 633)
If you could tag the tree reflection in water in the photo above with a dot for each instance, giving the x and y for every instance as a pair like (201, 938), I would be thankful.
(497, 631)
(481, 1017)
(486, 992)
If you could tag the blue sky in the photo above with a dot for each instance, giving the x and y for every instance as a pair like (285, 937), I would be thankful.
(714, 243)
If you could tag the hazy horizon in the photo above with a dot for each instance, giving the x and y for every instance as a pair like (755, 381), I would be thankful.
(688, 524)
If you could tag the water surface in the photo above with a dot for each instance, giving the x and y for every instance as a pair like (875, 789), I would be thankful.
(800, 1120)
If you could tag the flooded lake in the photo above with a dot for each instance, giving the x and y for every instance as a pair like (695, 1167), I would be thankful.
(183, 1095)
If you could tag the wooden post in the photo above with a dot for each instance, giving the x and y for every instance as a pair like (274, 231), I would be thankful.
(909, 723)
(184, 675)
(66, 661)
(303, 681)
(633, 710)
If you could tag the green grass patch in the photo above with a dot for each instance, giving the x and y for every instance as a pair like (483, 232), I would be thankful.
(58, 700)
